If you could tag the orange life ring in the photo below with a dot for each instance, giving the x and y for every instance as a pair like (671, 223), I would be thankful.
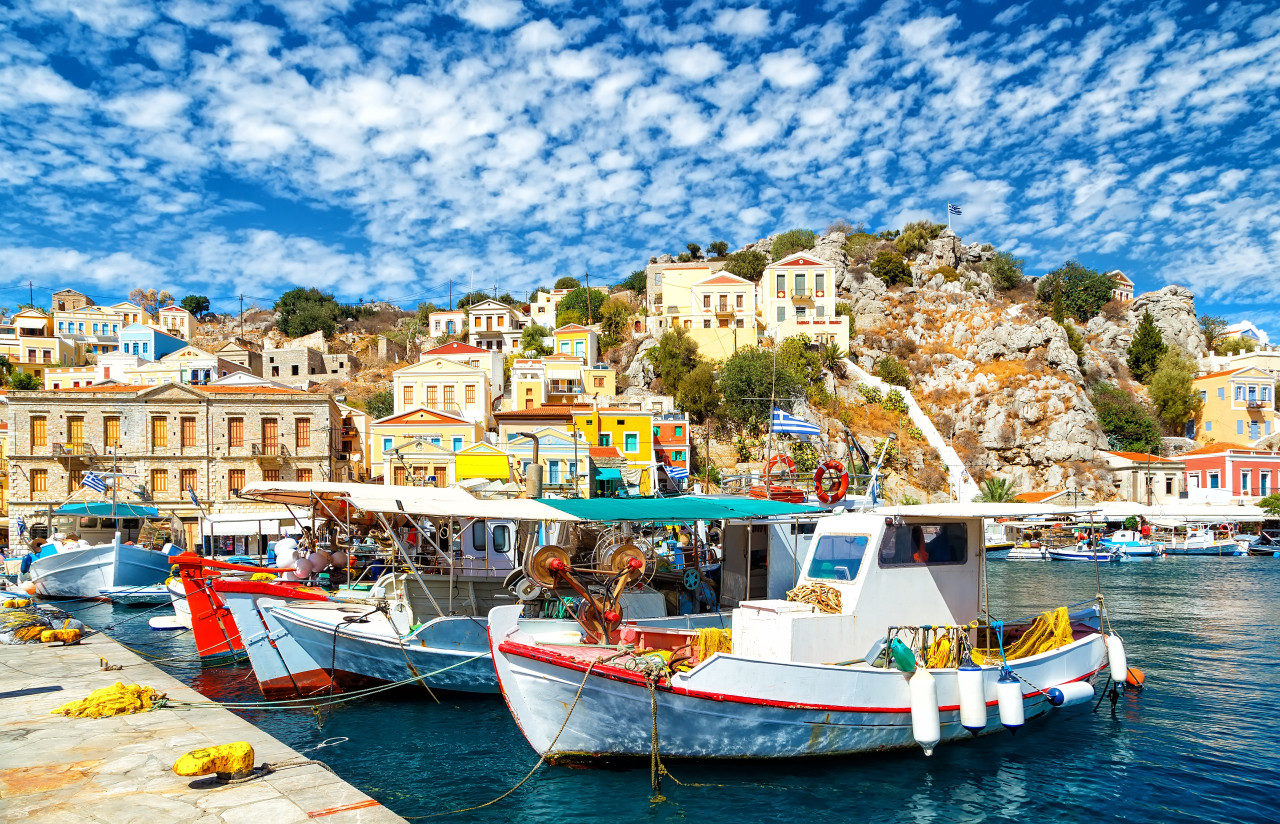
(786, 462)
(841, 486)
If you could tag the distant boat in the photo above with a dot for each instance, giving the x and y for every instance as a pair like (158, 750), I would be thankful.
(1027, 551)
(1133, 544)
(1083, 552)
(1200, 540)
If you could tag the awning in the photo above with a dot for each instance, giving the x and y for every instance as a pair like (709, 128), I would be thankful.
(104, 509)
(247, 523)
(414, 500)
(683, 508)
(608, 473)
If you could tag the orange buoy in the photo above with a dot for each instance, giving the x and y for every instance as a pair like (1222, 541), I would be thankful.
(1134, 677)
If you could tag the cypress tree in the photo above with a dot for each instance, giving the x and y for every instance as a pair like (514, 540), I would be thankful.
(1146, 350)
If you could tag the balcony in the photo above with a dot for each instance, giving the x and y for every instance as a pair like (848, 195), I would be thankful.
(270, 453)
(73, 450)
(1253, 403)
(724, 309)
(801, 293)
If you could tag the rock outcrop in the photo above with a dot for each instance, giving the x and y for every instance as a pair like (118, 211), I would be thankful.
(1173, 309)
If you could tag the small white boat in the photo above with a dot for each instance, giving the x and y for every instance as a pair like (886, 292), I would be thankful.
(1083, 552)
(137, 596)
(1027, 551)
(1200, 540)
(63, 571)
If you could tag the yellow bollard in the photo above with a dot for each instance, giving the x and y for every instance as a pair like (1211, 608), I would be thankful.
(224, 759)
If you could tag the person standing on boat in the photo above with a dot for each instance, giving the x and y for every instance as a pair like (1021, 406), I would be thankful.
(920, 554)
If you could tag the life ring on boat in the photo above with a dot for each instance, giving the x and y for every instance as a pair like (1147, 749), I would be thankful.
(788, 464)
(838, 489)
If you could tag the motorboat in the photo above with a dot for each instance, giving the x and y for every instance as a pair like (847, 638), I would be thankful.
(996, 537)
(1082, 551)
(1026, 551)
(1201, 540)
(1133, 544)
(883, 644)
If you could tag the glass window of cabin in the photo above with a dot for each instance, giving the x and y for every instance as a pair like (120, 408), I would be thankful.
(501, 538)
(924, 544)
(837, 557)
(478, 536)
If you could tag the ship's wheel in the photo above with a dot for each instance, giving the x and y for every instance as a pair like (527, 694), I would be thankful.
(537, 564)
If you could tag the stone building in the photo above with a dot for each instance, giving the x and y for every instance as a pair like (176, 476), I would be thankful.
(171, 438)
(302, 366)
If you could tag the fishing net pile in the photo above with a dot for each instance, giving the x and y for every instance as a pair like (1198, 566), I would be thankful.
(826, 598)
(1050, 630)
(117, 699)
(29, 623)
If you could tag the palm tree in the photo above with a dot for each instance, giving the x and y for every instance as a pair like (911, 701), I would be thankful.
(997, 491)
(833, 359)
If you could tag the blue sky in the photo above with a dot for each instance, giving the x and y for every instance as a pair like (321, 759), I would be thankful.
(379, 150)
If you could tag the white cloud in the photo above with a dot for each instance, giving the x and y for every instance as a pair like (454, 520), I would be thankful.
(748, 22)
(697, 62)
(539, 35)
(789, 69)
(490, 14)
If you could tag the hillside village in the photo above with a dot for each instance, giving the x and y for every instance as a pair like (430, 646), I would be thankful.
(965, 376)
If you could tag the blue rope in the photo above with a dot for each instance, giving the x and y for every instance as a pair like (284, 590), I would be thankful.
(999, 625)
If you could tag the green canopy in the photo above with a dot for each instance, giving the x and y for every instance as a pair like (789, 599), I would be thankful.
(103, 509)
(683, 508)
(609, 473)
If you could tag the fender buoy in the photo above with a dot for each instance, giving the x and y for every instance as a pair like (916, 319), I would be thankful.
(838, 489)
(1135, 678)
(788, 464)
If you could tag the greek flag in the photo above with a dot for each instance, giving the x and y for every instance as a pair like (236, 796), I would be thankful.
(94, 481)
(22, 526)
(678, 473)
(953, 209)
(785, 424)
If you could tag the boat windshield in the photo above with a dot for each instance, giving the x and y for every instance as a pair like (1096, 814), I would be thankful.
(924, 544)
(837, 557)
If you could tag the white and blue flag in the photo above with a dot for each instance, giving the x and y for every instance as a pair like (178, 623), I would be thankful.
(784, 424)
(953, 209)
(95, 482)
(677, 472)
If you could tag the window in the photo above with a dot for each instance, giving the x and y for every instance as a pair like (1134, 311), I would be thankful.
(502, 538)
(1264, 484)
(435, 440)
(270, 436)
(738, 302)
(782, 313)
(275, 371)
(408, 397)
(738, 323)
(387, 444)
(1213, 480)
(111, 430)
(678, 455)
(706, 301)
(39, 431)
(801, 312)
(235, 480)
(818, 282)
(598, 381)
(235, 431)
(838, 557)
(188, 433)
(144, 347)
(75, 430)
(302, 433)
(605, 439)
(1239, 392)
(920, 544)
(1168, 484)
(782, 282)
(471, 394)
(820, 311)
(271, 474)
(294, 369)
(564, 347)
(431, 396)
(679, 431)
(553, 472)
(631, 442)
(304, 476)
(457, 442)
(706, 324)
(159, 433)
(799, 283)
(1222, 393)
(187, 479)
(39, 480)
(159, 480)
(448, 394)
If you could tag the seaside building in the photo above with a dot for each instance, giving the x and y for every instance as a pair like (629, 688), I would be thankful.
(671, 446)
(564, 458)
(1122, 287)
(1236, 404)
(494, 325)
(617, 434)
(176, 321)
(416, 447)
(445, 385)
(798, 297)
(1146, 479)
(244, 352)
(1222, 473)
(716, 309)
(68, 300)
(489, 360)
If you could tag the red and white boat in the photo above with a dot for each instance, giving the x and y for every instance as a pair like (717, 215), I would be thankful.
(879, 657)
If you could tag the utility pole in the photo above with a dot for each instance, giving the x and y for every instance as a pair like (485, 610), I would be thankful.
(31, 300)
(450, 295)
(242, 314)
(588, 273)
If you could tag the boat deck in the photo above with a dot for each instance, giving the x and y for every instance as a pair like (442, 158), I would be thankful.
(86, 770)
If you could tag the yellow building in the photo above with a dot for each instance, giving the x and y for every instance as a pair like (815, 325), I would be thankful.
(576, 340)
(718, 311)
(443, 384)
(628, 431)
(564, 458)
(798, 297)
(408, 447)
(482, 460)
(1235, 404)
(31, 346)
(528, 384)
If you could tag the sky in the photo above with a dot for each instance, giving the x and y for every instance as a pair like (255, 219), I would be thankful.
(395, 151)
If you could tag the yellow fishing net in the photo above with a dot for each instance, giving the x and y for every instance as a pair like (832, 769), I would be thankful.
(712, 640)
(825, 598)
(117, 699)
(1050, 630)
(938, 655)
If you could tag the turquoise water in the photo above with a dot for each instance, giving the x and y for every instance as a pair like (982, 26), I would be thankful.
(1200, 743)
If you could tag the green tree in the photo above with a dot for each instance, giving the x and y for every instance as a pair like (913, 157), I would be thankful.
(1005, 270)
(1084, 291)
(832, 357)
(748, 380)
(23, 380)
(577, 301)
(915, 236)
(1147, 349)
(380, 404)
(195, 304)
(890, 370)
(1075, 339)
(1172, 391)
(675, 356)
(858, 247)
(695, 251)
(718, 248)
(6, 369)
(636, 282)
(996, 490)
(806, 458)
(792, 241)
(1271, 504)
(748, 264)
(472, 298)
(891, 268)
(1236, 343)
(1212, 327)
(699, 393)
(797, 357)
(614, 314)
(531, 339)
(303, 311)
(568, 282)
(1130, 426)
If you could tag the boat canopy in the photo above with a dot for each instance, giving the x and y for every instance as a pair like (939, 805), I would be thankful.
(247, 523)
(984, 510)
(683, 508)
(104, 509)
(413, 500)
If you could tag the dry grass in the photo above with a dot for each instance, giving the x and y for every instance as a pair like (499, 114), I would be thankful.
(1005, 371)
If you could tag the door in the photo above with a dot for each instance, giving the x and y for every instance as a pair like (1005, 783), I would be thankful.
(441, 478)
(270, 436)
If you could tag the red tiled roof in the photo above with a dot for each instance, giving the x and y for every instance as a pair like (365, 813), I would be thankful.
(550, 410)
(1037, 497)
(724, 280)
(1220, 374)
(1219, 448)
(1141, 457)
(457, 348)
(250, 390)
(604, 452)
(112, 387)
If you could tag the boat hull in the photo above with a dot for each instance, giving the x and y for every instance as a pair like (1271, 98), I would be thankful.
(83, 573)
(1077, 555)
(281, 666)
(1226, 548)
(732, 707)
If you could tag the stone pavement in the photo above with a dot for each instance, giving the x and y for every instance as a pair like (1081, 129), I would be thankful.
(118, 770)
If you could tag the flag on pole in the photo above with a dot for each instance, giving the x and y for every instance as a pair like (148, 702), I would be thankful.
(194, 500)
(953, 209)
(95, 482)
(784, 424)
(862, 455)
(22, 526)
(678, 473)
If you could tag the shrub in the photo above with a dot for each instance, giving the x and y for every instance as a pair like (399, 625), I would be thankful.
(636, 282)
(748, 264)
(933, 479)
(915, 236)
(1130, 426)
(1005, 270)
(699, 394)
(915, 433)
(24, 380)
(380, 404)
(894, 402)
(890, 370)
(1146, 350)
(1076, 341)
(1213, 328)
(531, 339)
(675, 356)
(695, 251)
(1172, 390)
(1083, 291)
(792, 241)
(1113, 310)
(858, 247)
(949, 274)
(870, 393)
(891, 268)
(806, 458)
(1236, 343)
(568, 282)
(684, 257)
(844, 227)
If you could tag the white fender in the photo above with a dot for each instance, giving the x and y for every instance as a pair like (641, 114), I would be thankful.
(303, 568)
(1009, 698)
(338, 560)
(1068, 695)
(1119, 661)
(926, 723)
(973, 696)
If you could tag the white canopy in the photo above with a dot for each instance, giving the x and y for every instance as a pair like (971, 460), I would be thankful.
(1179, 514)
(985, 510)
(413, 500)
(266, 522)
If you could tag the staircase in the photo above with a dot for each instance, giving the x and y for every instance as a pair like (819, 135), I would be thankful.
(962, 486)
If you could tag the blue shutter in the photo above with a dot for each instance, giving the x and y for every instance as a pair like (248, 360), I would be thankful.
(1239, 427)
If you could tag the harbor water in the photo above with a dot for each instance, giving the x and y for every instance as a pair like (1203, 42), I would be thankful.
(1200, 743)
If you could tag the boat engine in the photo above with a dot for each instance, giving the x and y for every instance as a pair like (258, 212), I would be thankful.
(549, 567)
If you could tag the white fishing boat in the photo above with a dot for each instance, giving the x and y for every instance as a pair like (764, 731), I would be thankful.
(884, 594)
(1132, 544)
(66, 569)
(1081, 551)
(1201, 540)
(996, 536)
(1026, 551)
